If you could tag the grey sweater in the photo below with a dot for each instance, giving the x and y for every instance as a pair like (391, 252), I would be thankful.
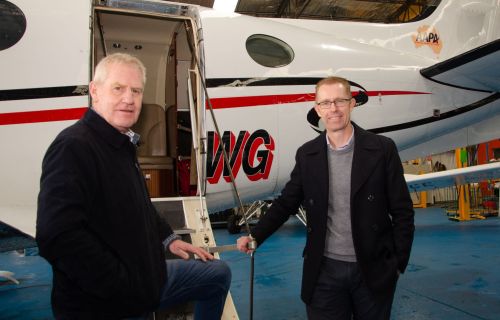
(339, 244)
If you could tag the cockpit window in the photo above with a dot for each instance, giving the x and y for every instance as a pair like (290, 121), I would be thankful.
(12, 24)
(269, 51)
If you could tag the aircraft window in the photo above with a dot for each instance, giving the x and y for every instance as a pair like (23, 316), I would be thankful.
(12, 24)
(269, 51)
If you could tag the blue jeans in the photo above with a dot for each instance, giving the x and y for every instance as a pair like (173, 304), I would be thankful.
(205, 283)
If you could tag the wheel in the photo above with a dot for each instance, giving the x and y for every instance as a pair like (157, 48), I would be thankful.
(232, 224)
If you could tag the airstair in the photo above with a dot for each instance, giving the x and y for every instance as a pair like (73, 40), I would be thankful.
(188, 217)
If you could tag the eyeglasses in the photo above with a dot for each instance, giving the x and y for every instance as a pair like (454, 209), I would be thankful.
(337, 102)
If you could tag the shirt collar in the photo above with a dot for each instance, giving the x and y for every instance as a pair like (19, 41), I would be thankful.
(345, 146)
(133, 136)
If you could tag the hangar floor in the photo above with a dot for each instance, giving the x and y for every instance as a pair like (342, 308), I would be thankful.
(453, 273)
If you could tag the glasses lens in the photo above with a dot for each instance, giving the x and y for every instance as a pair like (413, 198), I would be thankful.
(340, 102)
(324, 104)
(337, 102)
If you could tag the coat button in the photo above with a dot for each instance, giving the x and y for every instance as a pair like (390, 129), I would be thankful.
(375, 227)
(311, 202)
(309, 229)
(371, 197)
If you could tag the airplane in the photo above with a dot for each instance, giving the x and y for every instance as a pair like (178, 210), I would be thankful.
(223, 81)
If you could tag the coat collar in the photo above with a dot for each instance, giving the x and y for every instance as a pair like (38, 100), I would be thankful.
(317, 145)
(106, 131)
(361, 140)
(367, 154)
(317, 163)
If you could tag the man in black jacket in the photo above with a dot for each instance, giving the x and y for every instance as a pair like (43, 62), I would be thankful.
(97, 226)
(359, 214)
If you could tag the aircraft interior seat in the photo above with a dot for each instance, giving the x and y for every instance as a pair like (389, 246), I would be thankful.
(155, 163)
(171, 117)
(151, 125)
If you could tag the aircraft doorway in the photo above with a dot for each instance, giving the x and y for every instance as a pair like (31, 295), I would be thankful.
(165, 151)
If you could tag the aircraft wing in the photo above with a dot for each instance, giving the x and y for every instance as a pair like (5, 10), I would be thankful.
(452, 177)
(21, 218)
(477, 69)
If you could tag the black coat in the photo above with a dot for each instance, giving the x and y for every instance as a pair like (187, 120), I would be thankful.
(381, 210)
(96, 225)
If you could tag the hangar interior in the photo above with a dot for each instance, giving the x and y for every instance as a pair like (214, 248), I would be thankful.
(381, 11)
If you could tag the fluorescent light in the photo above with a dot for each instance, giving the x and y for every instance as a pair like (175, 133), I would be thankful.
(225, 5)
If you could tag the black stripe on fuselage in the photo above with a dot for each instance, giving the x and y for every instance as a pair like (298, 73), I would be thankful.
(442, 116)
(280, 81)
(458, 61)
(461, 59)
(252, 82)
(42, 93)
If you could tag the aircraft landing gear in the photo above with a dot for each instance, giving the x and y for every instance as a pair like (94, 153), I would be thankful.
(233, 223)
(253, 212)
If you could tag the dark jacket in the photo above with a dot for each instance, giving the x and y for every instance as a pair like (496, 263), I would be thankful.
(381, 210)
(97, 226)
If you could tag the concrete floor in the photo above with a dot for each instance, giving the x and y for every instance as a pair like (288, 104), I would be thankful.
(452, 274)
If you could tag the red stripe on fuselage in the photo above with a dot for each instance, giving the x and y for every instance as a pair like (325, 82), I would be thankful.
(42, 116)
(253, 101)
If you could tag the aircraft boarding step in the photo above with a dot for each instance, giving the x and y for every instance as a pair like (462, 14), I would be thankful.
(189, 218)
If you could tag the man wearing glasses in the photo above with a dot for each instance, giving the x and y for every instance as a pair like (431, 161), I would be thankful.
(359, 214)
